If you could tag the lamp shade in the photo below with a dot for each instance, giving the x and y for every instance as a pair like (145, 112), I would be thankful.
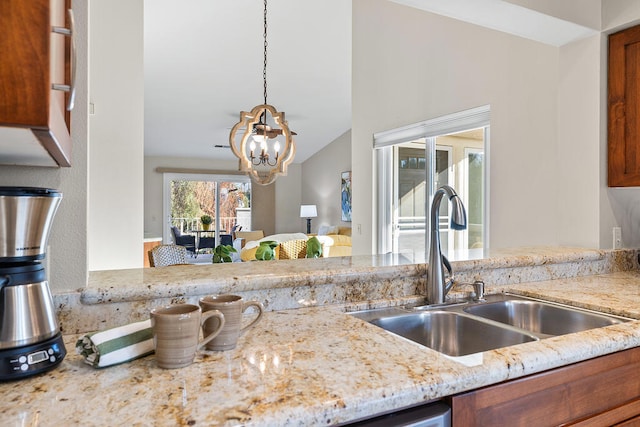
(308, 211)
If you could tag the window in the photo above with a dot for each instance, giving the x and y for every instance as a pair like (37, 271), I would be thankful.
(413, 162)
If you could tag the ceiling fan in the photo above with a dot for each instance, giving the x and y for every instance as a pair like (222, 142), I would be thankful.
(269, 131)
(262, 128)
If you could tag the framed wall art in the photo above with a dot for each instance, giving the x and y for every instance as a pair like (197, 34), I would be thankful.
(345, 196)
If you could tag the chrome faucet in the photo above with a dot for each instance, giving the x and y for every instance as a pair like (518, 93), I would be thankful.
(437, 285)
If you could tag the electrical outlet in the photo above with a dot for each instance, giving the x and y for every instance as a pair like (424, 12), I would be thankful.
(617, 238)
(359, 228)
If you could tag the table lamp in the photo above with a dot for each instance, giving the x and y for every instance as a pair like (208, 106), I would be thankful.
(308, 211)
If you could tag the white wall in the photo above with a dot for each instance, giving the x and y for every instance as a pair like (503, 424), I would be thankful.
(577, 190)
(619, 14)
(288, 199)
(410, 65)
(116, 135)
(589, 209)
(67, 253)
(321, 182)
(582, 12)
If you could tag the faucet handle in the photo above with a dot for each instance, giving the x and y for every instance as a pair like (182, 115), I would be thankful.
(447, 265)
(448, 282)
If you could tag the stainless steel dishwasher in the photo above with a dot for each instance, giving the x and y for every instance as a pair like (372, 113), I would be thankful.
(436, 414)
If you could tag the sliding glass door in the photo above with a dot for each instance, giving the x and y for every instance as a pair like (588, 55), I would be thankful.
(473, 197)
(410, 173)
(189, 197)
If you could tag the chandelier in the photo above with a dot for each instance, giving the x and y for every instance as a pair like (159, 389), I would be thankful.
(261, 140)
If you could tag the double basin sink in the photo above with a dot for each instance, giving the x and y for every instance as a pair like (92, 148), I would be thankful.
(499, 321)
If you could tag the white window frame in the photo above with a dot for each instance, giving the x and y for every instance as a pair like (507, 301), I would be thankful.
(473, 118)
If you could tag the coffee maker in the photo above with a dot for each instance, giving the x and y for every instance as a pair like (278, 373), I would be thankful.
(30, 338)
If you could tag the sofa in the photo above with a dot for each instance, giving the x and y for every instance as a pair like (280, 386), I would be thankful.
(293, 245)
(341, 240)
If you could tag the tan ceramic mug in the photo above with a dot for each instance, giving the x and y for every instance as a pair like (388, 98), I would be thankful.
(176, 333)
(232, 306)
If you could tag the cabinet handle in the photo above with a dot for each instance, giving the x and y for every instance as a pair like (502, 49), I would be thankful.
(69, 32)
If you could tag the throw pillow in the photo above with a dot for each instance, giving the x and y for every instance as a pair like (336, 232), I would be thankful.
(325, 230)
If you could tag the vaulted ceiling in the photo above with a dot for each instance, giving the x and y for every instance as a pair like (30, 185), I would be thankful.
(203, 65)
(204, 59)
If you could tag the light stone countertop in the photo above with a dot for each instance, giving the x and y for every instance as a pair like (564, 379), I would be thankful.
(118, 297)
(167, 282)
(311, 366)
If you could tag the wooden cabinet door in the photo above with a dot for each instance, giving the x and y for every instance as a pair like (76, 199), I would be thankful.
(624, 108)
(33, 59)
(625, 415)
(607, 387)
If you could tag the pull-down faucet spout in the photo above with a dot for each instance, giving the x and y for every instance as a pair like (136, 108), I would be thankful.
(437, 285)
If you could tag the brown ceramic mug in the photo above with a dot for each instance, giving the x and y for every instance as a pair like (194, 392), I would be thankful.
(176, 333)
(232, 306)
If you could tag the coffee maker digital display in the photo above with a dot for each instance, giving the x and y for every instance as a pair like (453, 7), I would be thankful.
(30, 338)
(25, 361)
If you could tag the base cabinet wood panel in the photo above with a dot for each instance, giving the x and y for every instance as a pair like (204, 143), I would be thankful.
(633, 422)
(598, 392)
(627, 412)
(35, 82)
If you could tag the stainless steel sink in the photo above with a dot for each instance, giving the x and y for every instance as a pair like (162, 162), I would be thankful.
(540, 317)
(472, 327)
(450, 333)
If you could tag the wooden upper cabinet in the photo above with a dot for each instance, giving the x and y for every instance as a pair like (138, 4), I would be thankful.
(624, 108)
(34, 71)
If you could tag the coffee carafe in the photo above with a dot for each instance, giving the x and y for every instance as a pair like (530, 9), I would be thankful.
(30, 338)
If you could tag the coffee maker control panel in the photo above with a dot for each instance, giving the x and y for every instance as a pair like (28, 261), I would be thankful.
(30, 360)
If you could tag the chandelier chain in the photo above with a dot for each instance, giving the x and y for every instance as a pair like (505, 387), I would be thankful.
(264, 68)
(269, 153)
